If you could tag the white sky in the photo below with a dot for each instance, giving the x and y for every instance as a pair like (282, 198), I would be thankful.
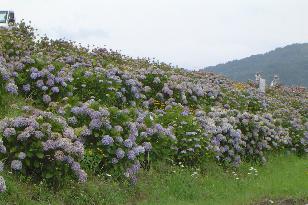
(189, 33)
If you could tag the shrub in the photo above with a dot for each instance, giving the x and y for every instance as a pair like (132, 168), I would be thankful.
(41, 145)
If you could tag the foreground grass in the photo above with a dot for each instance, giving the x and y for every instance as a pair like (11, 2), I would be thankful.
(285, 176)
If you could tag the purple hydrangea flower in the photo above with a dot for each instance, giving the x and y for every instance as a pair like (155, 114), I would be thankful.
(44, 88)
(55, 90)
(49, 144)
(118, 128)
(75, 166)
(82, 176)
(16, 165)
(95, 124)
(107, 140)
(11, 88)
(46, 99)
(139, 150)
(114, 161)
(2, 148)
(40, 83)
(21, 155)
(185, 113)
(26, 88)
(147, 146)
(9, 132)
(34, 75)
(50, 82)
(72, 120)
(120, 153)
(86, 132)
(51, 68)
(68, 159)
(128, 143)
(58, 79)
(38, 134)
(119, 139)
(131, 155)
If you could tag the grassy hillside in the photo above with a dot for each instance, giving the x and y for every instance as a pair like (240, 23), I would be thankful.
(80, 126)
(290, 63)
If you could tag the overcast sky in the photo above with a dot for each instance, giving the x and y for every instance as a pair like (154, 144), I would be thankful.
(189, 33)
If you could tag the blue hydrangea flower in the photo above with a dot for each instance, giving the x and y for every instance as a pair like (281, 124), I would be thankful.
(11, 88)
(114, 161)
(21, 155)
(16, 165)
(128, 143)
(55, 90)
(95, 124)
(147, 146)
(40, 83)
(46, 99)
(26, 88)
(2, 148)
(107, 140)
(131, 155)
(119, 139)
(120, 153)
(82, 176)
(9, 132)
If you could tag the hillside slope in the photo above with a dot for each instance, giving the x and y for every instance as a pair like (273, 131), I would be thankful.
(69, 112)
(290, 63)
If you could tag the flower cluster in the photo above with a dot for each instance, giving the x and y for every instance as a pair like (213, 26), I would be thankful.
(124, 135)
(235, 136)
(39, 142)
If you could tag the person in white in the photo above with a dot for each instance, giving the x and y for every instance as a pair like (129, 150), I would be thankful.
(258, 76)
(275, 81)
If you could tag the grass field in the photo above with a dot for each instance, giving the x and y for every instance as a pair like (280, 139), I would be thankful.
(284, 177)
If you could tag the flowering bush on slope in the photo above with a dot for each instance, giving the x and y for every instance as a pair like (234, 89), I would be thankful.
(116, 114)
(42, 145)
(236, 136)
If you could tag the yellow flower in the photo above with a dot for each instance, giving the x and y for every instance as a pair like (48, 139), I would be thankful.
(239, 86)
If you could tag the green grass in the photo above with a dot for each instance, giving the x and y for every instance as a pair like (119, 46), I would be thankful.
(284, 176)
(10, 105)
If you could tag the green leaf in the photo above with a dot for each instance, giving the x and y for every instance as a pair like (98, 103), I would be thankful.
(29, 154)
(27, 162)
(39, 155)
(49, 175)
(36, 164)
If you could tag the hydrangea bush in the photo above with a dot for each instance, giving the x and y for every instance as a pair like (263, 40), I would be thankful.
(120, 139)
(106, 113)
(236, 136)
(42, 145)
(191, 143)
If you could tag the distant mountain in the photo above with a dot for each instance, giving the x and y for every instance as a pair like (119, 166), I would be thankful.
(290, 63)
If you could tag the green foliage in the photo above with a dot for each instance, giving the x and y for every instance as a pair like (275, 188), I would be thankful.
(190, 146)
